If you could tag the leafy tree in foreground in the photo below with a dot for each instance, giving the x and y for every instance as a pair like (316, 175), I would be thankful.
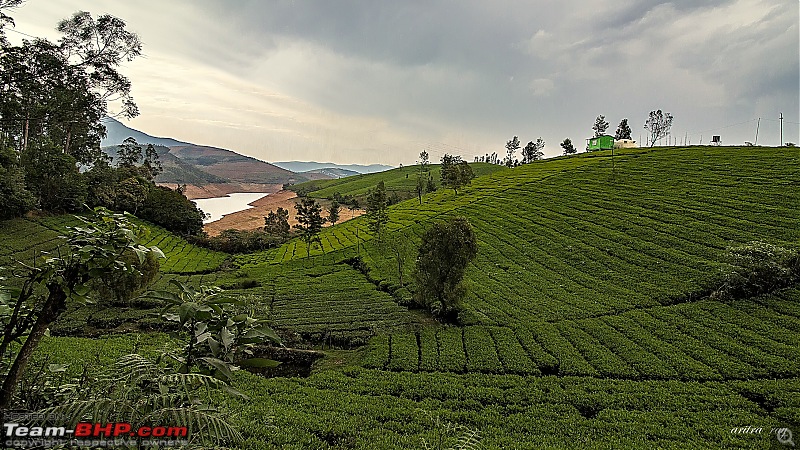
(446, 250)
(219, 339)
(511, 146)
(623, 130)
(658, 124)
(569, 149)
(92, 250)
(309, 222)
(141, 392)
(600, 126)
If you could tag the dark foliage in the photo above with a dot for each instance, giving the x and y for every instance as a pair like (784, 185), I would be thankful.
(446, 250)
(172, 210)
(760, 268)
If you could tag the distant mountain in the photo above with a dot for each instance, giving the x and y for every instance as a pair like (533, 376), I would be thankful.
(330, 172)
(305, 166)
(233, 166)
(200, 165)
(116, 132)
(175, 169)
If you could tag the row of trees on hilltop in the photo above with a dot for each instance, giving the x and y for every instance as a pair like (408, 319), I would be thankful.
(658, 124)
(53, 97)
(533, 151)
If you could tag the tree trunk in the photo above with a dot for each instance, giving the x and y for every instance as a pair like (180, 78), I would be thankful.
(55, 304)
(69, 135)
(27, 125)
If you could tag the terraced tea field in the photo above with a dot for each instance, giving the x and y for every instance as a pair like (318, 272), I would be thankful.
(698, 341)
(26, 239)
(587, 322)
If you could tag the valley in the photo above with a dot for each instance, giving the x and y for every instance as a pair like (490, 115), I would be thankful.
(586, 322)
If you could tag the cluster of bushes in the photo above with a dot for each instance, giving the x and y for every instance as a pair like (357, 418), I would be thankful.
(48, 179)
(238, 241)
(759, 268)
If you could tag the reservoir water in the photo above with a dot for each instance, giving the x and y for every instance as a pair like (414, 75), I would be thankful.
(220, 206)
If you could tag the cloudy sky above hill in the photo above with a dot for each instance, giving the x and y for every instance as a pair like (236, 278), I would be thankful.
(377, 82)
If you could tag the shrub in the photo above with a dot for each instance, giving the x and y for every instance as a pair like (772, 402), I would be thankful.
(446, 250)
(121, 287)
(760, 268)
(237, 241)
(172, 210)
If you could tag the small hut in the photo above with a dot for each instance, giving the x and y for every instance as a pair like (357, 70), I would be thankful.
(604, 142)
(624, 143)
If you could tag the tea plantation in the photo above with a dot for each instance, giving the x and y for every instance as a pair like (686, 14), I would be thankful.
(587, 321)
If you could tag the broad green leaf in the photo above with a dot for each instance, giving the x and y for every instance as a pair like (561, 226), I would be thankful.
(227, 337)
(260, 363)
(221, 367)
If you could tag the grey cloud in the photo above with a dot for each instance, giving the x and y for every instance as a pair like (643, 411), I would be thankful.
(483, 71)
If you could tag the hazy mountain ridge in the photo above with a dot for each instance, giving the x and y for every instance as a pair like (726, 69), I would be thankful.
(116, 132)
(186, 163)
(332, 172)
(307, 166)
(175, 169)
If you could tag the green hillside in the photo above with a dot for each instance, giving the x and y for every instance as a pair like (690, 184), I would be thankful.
(587, 322)
(402, 181)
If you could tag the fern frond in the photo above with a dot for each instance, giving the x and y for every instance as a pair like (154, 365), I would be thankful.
(203, 424)
(469, 440)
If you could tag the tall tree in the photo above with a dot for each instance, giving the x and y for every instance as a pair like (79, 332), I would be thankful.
(511, 147)
(569, 149)
(623, 130)
(446, 250)
(277, 222)
(333, 212)
(424, 161)
(62, 91)
(129, 153)
(151, 162)
(377, 202)
(455, 172)
(533, 151)
(600, 126)
(420, 187)
(309, 222)
(658, 124)
(99, 47)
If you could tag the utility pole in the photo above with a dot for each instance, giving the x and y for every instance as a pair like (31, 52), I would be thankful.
(757, 127)
(780, 144)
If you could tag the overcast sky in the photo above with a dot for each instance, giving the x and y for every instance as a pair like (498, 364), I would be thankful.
(377, 82)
